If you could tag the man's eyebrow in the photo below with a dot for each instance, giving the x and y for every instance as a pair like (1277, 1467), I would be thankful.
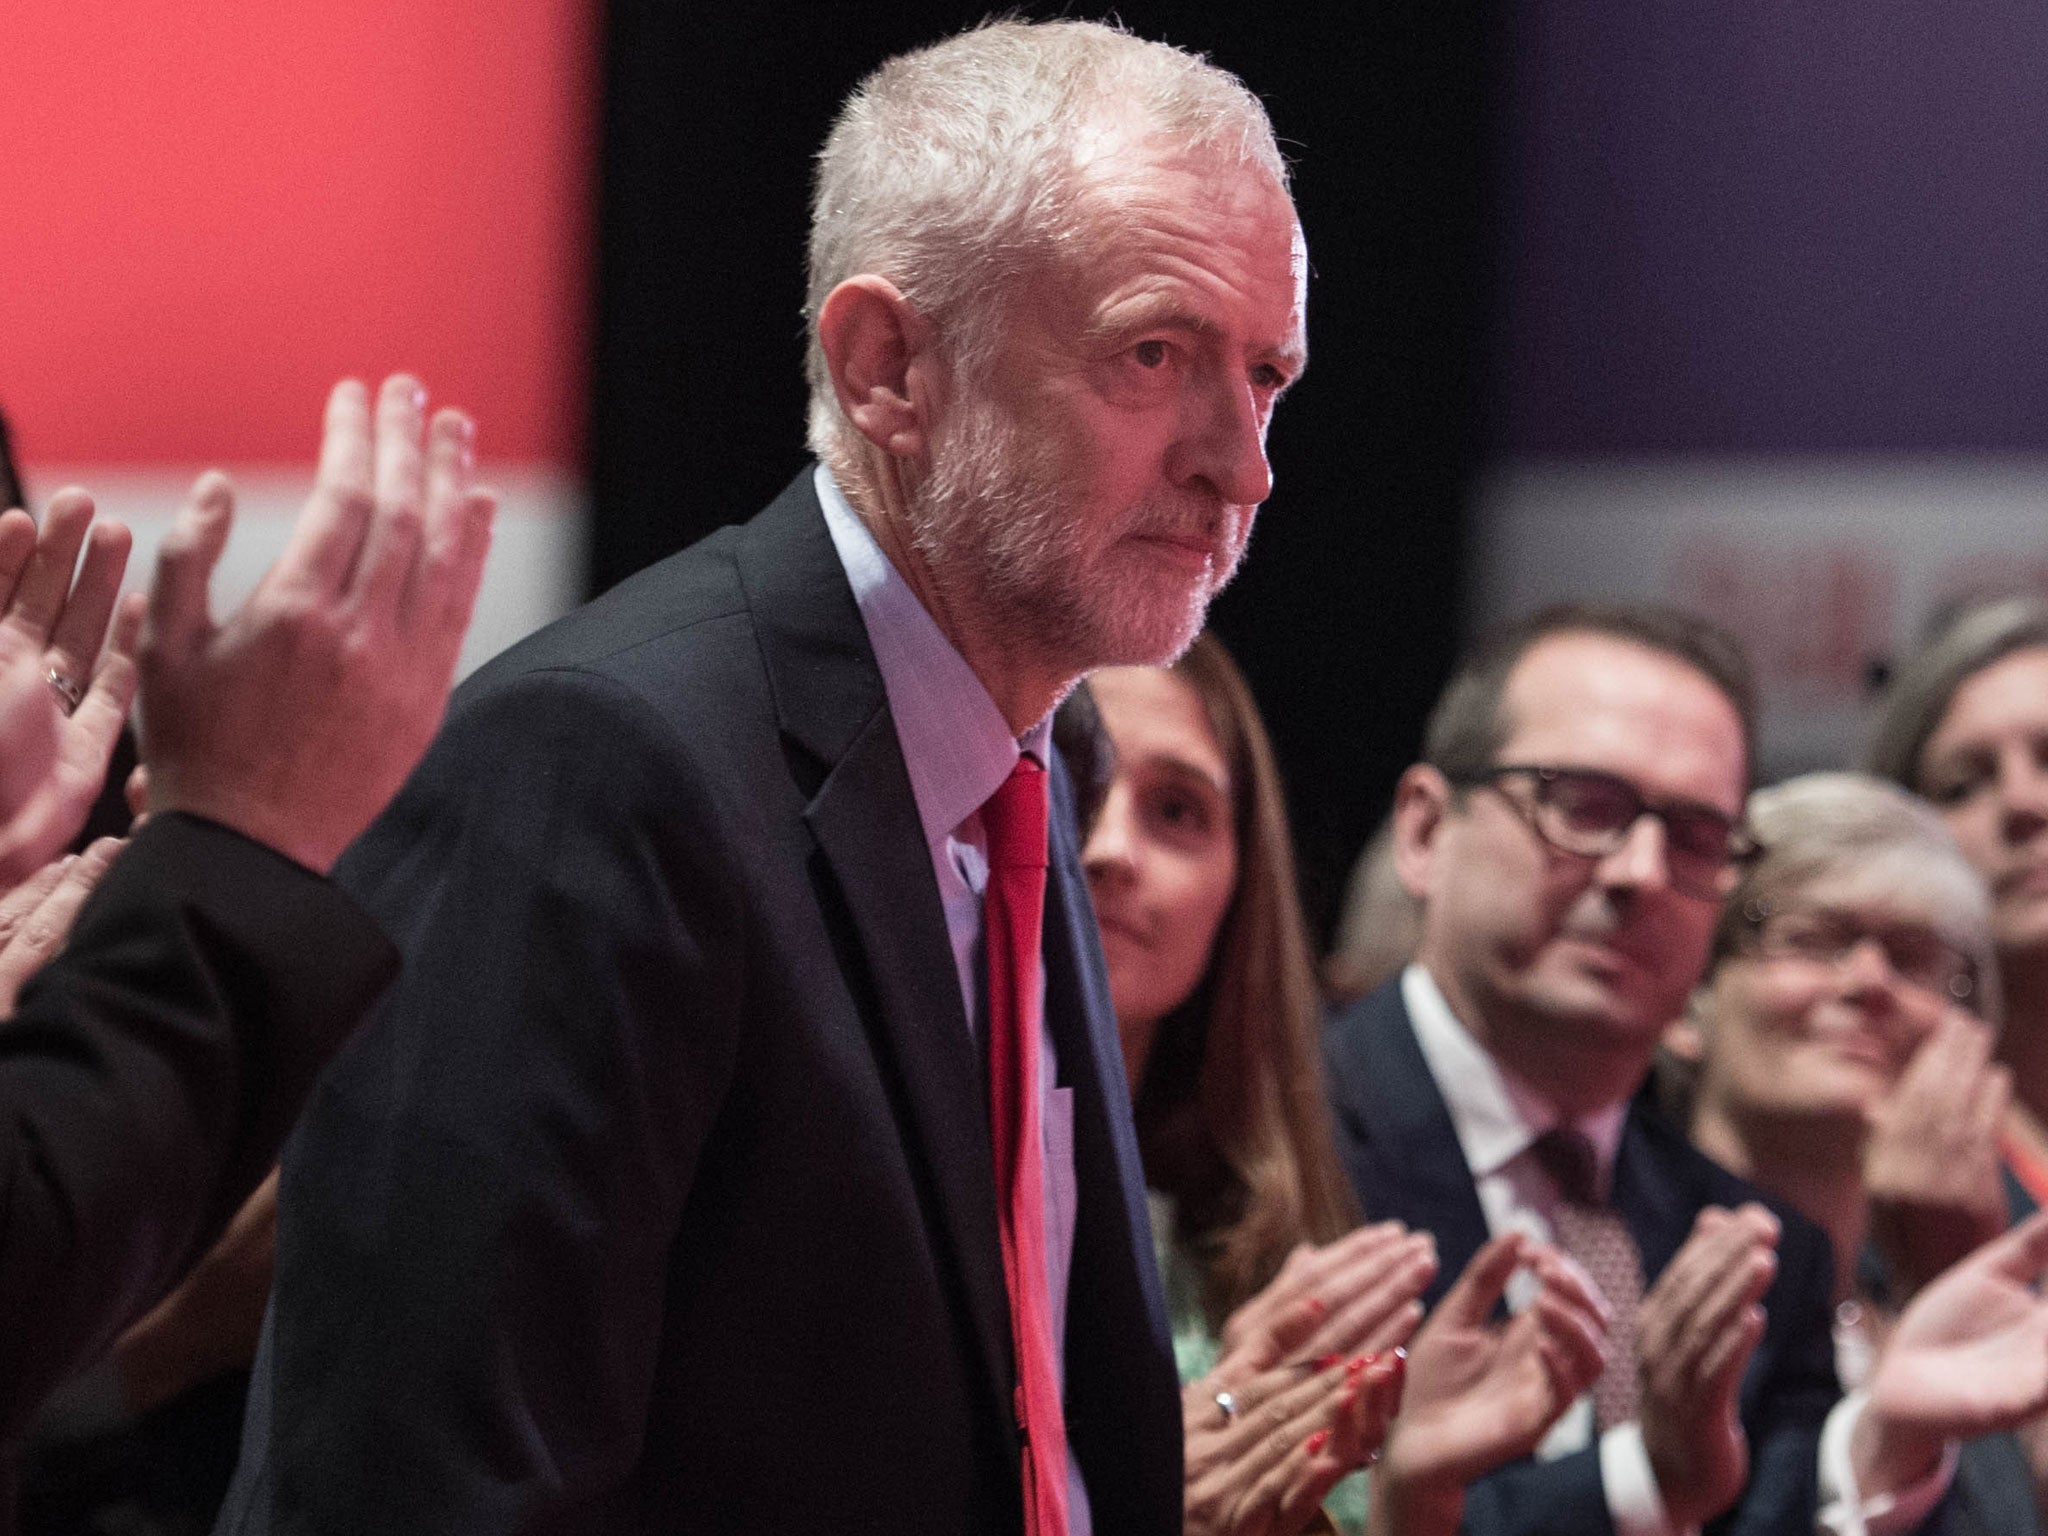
(1148, 312)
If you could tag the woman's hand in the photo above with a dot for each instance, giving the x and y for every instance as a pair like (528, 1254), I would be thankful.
(1932, 1163)
(1266, 1441)
(1481, 1392)
(1967, 1358)
(1362, 1290)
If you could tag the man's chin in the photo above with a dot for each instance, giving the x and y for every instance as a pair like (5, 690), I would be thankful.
(1605, 1008)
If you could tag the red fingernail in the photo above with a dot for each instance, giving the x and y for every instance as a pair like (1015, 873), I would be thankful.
(1359, 1363)
(1318, 1440)
(1324, 1362)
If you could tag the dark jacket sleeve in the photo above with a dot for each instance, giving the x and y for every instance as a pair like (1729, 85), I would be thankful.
(535, 1089)
(151, 1072)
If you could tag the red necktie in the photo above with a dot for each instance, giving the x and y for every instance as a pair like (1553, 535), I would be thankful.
(1013, 913)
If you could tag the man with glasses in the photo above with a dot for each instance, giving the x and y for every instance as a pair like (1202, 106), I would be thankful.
(1570, 833)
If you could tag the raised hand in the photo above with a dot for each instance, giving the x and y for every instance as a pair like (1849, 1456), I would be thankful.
(296, 720)
(1482, 1393)
(65, 685)
(1931, 1165)
(1266, 1442)
(1968, 1357)
(1698, 1327)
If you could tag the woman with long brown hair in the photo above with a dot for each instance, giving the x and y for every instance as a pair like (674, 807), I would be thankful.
(1278, 1296)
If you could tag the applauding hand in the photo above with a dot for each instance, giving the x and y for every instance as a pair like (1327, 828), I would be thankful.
(65, 686)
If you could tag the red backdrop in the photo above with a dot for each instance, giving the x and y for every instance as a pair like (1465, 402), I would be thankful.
(210, 212)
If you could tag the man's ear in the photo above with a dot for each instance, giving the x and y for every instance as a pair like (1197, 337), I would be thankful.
(878, 349)
(1422, 801)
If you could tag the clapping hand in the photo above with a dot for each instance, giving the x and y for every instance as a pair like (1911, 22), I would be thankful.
(1362, 1289)
(1698, 1327)
(65, 686)
(1310, 1373)
(1482, 1393)
(1931, 1165)
(1968, 1357)
(1266, 1442)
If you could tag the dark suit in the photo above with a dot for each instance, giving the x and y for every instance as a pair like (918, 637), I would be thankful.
(1396, 1137)
(148, 1076)
(660, 1196)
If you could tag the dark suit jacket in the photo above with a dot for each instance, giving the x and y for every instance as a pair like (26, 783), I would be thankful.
(659, 1197)
(1395, 1135)
(150, 1072)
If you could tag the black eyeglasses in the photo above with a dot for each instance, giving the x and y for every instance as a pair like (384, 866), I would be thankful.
(1586, 812)
(1916, 954)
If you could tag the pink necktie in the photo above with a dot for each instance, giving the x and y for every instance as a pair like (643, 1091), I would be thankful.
(1013, 912)
(1591, 1231)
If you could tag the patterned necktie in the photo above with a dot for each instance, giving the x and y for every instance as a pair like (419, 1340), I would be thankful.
(1013, 913)
(1589, 1230)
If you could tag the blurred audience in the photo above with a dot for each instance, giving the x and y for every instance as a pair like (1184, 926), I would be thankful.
(1570, 833)
(1965, 724)
(1273, 1305)
(151, 1068)
(1378, 926)
(1842, 1041)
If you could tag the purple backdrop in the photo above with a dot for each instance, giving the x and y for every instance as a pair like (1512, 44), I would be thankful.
(1761, 227)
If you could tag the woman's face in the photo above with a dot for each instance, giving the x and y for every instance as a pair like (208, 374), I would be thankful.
(1820, 1014)
(1162, 857)
(1986, 768)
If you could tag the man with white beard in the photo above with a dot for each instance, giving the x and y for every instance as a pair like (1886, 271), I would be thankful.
(746, 1147)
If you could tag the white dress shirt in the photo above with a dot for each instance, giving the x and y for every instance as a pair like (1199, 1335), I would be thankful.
(959, 750)
(1498, 1118)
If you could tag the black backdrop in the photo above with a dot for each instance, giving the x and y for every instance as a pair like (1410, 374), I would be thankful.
(1345, 616)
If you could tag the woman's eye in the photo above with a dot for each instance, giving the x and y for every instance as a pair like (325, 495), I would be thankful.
(1182, 814)
(1954, 788)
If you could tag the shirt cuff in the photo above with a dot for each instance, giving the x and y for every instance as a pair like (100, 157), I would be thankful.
(1843, 1509)
(1633, 1502)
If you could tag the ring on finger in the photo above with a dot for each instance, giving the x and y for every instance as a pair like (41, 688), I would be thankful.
(66, 688)
(1226, 1403)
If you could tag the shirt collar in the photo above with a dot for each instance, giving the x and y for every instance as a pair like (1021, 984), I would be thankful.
(955, 742)
(1497, 1116)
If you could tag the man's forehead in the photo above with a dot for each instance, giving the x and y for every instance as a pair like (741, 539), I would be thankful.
(1160, 229)
(1596, 700)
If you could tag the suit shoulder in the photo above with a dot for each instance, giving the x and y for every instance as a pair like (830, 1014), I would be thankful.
(1357, 1036)
(665, 604)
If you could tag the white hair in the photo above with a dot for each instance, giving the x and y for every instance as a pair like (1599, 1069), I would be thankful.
(1851, 833)
(953, 169)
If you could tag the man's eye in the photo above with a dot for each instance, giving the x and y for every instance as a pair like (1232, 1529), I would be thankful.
(1150, 354)
(1268, 378)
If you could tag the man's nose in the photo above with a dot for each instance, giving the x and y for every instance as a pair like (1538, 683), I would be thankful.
(1642, 860)
(1226, 444)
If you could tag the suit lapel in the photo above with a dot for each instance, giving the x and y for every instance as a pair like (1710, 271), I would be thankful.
(833, 710)
(1656, 1203)
(1417, 1172)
